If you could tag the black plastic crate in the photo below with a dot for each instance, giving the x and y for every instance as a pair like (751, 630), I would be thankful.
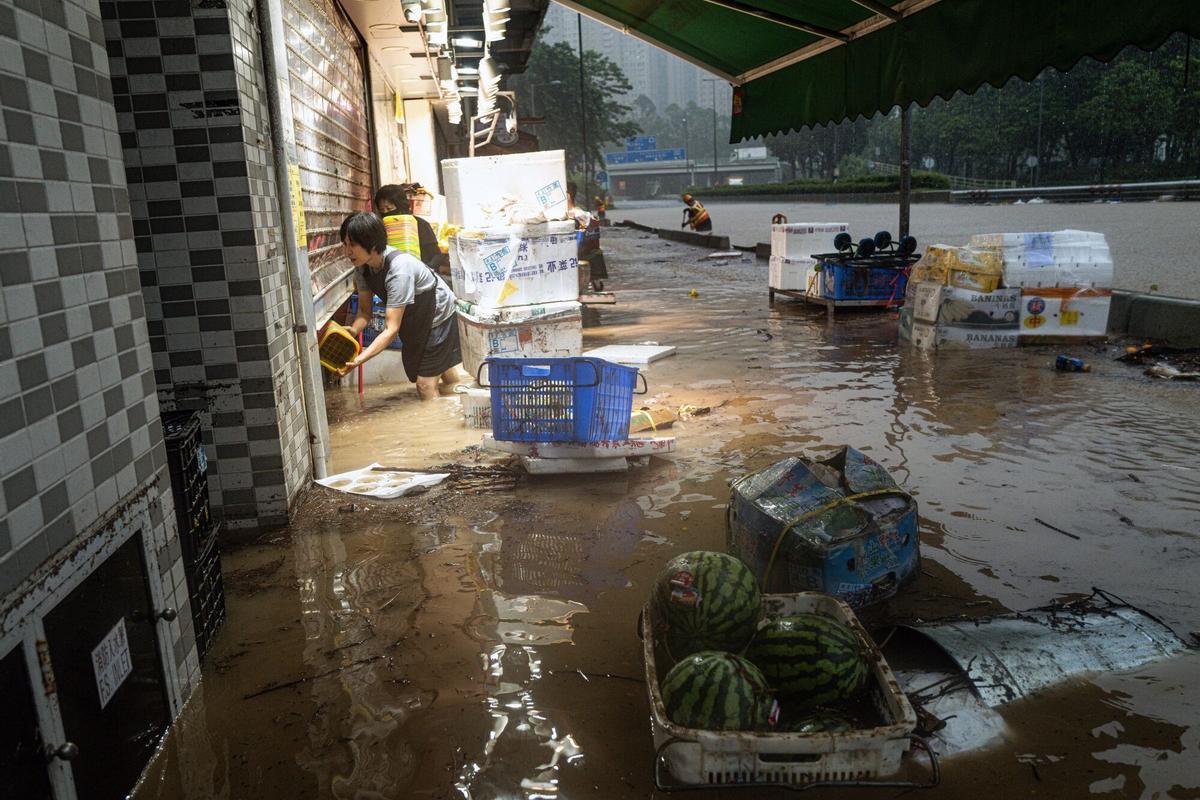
(188, 466)
(206, 591)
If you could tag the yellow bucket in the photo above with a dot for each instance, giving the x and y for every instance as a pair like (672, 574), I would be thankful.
(337, 346)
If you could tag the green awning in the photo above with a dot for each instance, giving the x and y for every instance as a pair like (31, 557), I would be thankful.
(808, 62)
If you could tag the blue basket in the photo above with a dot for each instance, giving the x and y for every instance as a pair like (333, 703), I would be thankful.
(559, 399)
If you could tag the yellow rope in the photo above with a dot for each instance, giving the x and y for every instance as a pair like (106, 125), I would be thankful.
(816, 513)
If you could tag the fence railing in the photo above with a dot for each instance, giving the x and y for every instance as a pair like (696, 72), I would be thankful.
(1145, 190)
(956, 181)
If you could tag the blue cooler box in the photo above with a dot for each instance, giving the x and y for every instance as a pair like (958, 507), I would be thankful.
(862, 285)
(840, 526)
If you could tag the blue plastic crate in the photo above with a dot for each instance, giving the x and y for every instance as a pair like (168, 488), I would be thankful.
(863, 284)
(377, 323)
(559, 399)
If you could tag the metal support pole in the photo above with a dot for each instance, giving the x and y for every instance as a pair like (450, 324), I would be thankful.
(304, 318)
(905, 178)
(1037, 165)
(716, 177)
(587, 161)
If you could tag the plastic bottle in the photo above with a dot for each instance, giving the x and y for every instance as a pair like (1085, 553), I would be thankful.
(1066, 363)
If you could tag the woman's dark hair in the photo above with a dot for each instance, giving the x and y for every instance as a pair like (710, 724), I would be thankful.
(395, 194)
(365, 230)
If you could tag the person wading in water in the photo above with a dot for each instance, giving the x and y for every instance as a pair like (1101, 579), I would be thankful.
(419, 306)
(695, 215)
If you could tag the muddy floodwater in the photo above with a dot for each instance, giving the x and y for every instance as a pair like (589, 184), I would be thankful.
(479, 642)
(1152, 243)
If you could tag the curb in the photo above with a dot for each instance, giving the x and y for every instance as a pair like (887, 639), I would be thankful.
(686, 237)
(1170, 319)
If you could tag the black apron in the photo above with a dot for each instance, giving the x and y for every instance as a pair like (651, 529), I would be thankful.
(417, 322)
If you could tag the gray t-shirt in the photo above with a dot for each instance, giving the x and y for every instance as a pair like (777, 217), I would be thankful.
(406, 278)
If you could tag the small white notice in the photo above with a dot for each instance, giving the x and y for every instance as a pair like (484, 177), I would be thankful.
(111, 662)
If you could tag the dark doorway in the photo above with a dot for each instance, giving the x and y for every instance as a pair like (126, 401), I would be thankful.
(22, 757)
(104, 651)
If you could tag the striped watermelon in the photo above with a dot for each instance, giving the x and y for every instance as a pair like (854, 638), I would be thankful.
(705, 601)
(718, 692)
(811, 659)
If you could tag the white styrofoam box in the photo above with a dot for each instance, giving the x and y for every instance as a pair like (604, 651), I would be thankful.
(789, 273)
(1090, 274)
(550, 329)
(478, 188)
(634, 355)
(1052, 258)
(568, 466)
(476, 406)
(517, 265)
(1065, 312)
(949, 337)
(803, 239)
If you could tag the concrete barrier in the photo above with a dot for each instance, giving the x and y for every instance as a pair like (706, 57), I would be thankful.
(698, 239)
(1169, 319)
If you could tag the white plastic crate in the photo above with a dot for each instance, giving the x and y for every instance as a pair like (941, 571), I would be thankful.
(476, 406)
(701, 758)
(792, 274)
(804, 239)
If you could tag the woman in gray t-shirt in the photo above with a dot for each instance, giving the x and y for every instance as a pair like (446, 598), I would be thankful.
(419, 306)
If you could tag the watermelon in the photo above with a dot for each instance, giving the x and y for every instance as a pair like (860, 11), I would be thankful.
(811, 659)
(718, 692)
(705, 601)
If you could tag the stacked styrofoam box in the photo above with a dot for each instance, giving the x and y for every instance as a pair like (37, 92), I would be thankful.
(534, 331)
(792, 248)
(517, 265)
(1065, 278)
(487, 191)
(789, 273)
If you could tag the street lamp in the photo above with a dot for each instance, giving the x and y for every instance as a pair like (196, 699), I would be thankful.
(687, 144)
(713, 81)
(587, 162)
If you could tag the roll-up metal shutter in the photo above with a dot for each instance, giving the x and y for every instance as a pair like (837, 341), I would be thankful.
(329, 109)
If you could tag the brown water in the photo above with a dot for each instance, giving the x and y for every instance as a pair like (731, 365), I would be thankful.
(1153, 244)
(484, 646)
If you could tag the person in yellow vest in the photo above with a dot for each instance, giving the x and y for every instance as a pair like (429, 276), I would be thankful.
(695, 215)
(407, 232)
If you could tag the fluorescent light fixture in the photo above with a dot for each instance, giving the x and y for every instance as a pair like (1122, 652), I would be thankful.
(467, 42)
(468, 70)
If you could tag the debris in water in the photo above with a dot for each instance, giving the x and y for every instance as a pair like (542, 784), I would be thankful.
(1051, 527)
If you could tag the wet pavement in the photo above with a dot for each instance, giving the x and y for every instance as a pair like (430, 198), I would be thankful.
(1151, 242)
(482, 644)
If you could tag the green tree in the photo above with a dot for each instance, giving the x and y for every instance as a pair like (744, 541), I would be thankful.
(551, 81)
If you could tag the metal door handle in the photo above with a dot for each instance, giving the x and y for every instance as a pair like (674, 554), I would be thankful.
(67, 751)
(168, 614)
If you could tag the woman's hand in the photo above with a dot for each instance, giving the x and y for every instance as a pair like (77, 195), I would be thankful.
(357, 361)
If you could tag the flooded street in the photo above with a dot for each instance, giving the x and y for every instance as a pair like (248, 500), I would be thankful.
(482, 644)
(1151, 242)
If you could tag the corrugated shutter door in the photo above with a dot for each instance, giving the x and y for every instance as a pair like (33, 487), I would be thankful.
(329, 109)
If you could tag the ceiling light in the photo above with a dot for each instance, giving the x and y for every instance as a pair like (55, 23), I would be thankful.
(383, 27)
(467, 42)
(395, 48)
(468, 70)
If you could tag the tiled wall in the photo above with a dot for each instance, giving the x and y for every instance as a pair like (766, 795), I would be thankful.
(191, 107)
(79, 417)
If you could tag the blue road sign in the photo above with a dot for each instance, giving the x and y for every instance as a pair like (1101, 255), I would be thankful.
(646, 156)
(602, 177)
(637, 143)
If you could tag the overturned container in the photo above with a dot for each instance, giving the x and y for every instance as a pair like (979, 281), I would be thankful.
(840, 525)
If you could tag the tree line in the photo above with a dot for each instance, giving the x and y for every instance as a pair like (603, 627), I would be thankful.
(1134, 118)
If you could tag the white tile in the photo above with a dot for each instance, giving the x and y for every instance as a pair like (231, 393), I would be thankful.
(30, 30)
(46, 132)
(82, 197)
(10, 383)
(75, 458)
(12, 232)
(85, 512)
(16, 451)
(79, 321)
(26, 337)
(19, 302)
(26, 161)
(106, 343)
(92, 406)
(118, 427)
(37, 231)
(58, 196)
(77, 168)
(41, 97)
(97, 287)
(106, 495)
(43, 435)
(59, 361)
(49, 470)
(24, 521)
(126, 480)
(43, 264)
(62, 74)
(110, 372)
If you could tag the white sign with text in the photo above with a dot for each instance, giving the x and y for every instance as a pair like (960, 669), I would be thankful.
(111, 662)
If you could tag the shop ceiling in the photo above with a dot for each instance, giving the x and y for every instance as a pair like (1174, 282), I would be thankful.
(797, 63)
(401, 50)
